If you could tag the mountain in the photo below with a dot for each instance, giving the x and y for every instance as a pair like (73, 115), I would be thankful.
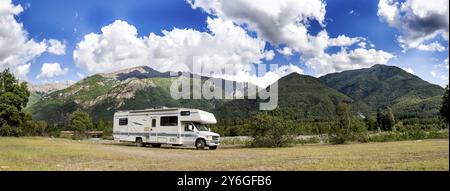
(39, 90)
(48, 88)
(382, 85)
(300, 96)
(103, 94)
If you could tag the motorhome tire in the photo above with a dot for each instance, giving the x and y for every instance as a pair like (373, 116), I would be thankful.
(200, 144)
(212, 147)
(139, 142)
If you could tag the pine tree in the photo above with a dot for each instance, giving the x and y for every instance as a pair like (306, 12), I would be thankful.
(379, 119)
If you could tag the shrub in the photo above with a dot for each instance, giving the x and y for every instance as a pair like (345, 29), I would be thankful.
(79, 122)
(268, 129)
(438, 135)
(310, 140)
(7, 130)
(348, 127)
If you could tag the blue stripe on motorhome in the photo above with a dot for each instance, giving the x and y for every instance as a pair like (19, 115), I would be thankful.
(154, 134)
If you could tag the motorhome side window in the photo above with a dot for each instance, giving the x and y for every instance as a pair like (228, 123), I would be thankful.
(169, 121)
(153, 122)
(123, 121)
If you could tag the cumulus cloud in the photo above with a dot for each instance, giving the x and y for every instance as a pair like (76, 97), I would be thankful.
(16, 50)
(348, 60)
(279, 22)
(343, 40)
(264, 79)
(285, 23)
(286, 51)
(418, 21)
(119, 47)
(56, 47)
(50, 70)
(227, 42)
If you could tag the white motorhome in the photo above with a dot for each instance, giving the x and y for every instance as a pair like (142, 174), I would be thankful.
(173, 126)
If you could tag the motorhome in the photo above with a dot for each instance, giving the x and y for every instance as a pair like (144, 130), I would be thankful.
(162, 125)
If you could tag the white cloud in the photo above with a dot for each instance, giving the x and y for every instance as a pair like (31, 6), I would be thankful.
(56, 47)
(16, 50)
(362, 44)
(343, 40)
(348, 60)
(80, 75)
(119, 47)
(266, 79)
(433, 73)
(283, 23)
(279, 22)
(22, 70)
(409, 70)
(431, 47)
(286, 51)
(419, 22)
(50, 70)
(286, 23)
(444, 77)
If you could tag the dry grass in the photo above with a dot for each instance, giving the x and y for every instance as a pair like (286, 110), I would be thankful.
(37, 153)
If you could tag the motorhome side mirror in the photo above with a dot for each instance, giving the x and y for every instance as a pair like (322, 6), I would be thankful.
(190, 127)
(209, 129)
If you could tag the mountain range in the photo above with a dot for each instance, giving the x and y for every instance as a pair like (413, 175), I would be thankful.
(302, 96)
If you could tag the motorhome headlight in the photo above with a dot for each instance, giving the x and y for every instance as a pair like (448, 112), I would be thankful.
(209, 138)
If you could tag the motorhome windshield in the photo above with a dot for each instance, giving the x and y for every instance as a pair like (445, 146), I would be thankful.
(201, 127)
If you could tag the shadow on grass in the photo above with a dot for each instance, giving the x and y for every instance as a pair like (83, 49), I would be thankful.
(168, 147)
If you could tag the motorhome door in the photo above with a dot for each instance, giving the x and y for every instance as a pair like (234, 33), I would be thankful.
(152, 133)
(189, 134)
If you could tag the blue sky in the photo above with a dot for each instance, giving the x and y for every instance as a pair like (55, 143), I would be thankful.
(70, 20)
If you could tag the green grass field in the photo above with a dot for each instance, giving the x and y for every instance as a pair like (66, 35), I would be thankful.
(37, 153)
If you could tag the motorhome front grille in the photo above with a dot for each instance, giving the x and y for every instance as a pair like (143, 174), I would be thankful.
(215, 138)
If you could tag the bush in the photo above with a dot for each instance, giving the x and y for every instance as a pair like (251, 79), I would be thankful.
(39, 128)
(412, 134)
(7, 130)
(438, 135)
(310, 140)
(79, 122)
(268, 129)
(348, 127)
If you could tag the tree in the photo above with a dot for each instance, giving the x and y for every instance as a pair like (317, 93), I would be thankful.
(270, 129)
(370, 123)
(379, 119)
(444, 107)
(13, 98)
(339, 132)
(388, 120)
(348, 128)
(79, 122)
